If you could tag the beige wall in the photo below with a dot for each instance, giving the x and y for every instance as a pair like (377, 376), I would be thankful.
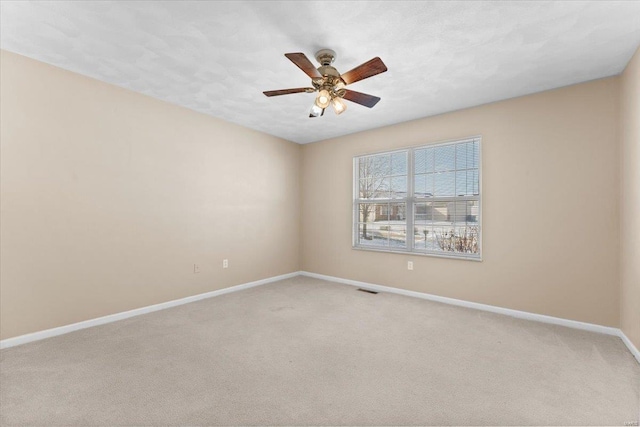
(109, 197)
(630, 201)
(550, 205)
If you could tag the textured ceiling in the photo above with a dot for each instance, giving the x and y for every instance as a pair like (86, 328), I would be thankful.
(218, 57)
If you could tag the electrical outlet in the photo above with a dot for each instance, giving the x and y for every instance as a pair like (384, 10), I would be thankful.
(225, 263)
(409, 265)
(196, 268)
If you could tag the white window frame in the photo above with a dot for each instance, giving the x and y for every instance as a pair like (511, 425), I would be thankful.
(410, 201)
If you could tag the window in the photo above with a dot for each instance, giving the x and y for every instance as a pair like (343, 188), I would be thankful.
(433, 190)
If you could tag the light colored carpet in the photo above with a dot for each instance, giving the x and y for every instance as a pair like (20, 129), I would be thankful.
(308, 352)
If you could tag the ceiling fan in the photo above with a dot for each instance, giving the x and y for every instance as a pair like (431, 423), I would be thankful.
(330, 84)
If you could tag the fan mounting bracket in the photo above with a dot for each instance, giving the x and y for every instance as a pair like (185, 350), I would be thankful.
(325, 56)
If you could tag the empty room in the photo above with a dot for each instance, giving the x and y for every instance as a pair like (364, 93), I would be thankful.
(306, 213)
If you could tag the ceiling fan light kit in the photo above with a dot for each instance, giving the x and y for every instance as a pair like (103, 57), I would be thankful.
(329, 84)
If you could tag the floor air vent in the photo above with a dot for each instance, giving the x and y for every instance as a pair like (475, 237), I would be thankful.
(367, 291)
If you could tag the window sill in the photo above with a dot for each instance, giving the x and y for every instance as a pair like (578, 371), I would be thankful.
(434, 255)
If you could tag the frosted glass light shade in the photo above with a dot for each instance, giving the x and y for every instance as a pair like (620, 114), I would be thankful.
(315, 111)
(338, 105)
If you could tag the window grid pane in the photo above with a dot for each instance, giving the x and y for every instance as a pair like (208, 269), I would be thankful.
(382, 224)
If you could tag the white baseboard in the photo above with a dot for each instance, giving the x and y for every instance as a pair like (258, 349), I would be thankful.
(484, 307)
(632, 348)
(48, 333)
(491, 308)
(36, 336)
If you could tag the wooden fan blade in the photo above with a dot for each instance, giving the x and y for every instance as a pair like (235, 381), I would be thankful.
(304, 64)
(361, 98)
(288, 91)
(366, 70)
